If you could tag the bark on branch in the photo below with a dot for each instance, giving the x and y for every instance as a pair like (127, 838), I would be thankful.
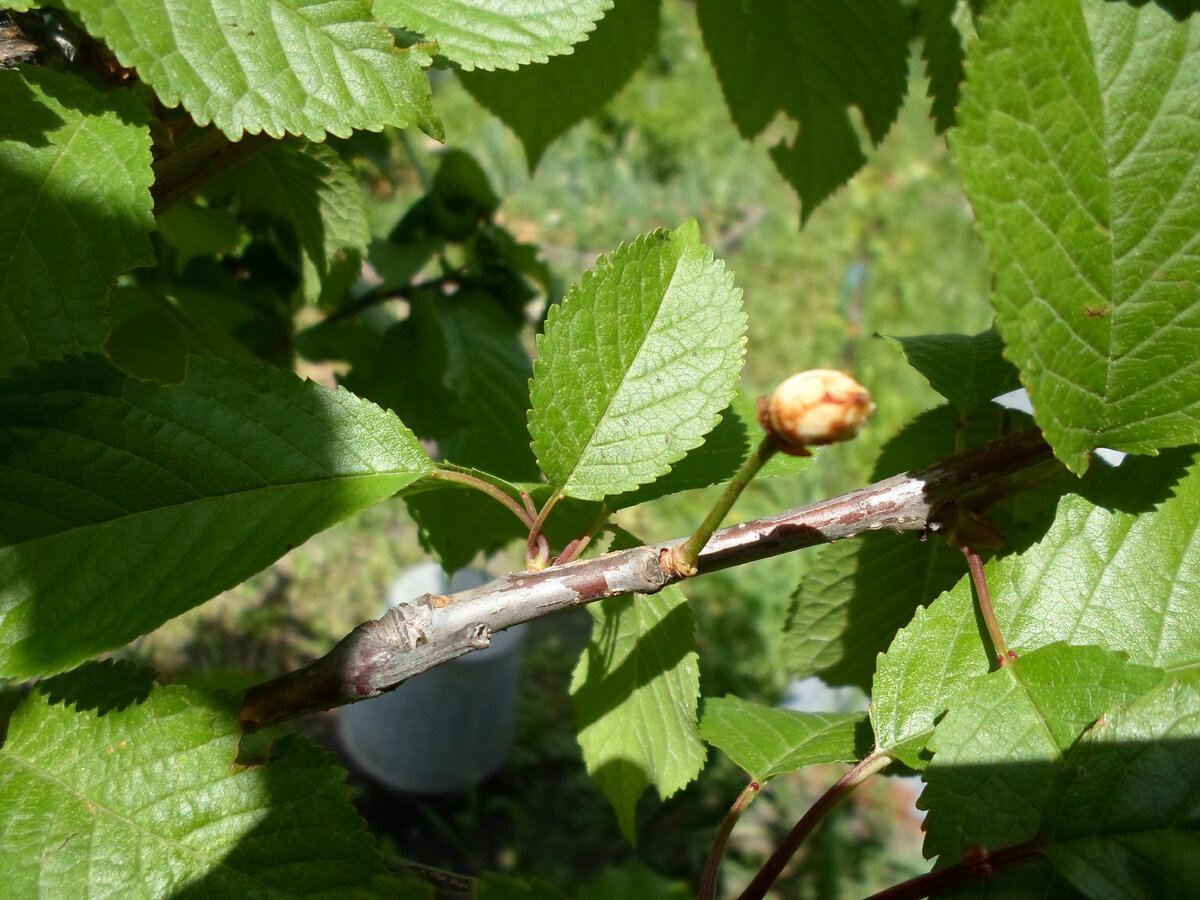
(429, 630)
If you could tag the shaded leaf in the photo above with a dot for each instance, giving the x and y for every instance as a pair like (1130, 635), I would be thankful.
(75, 177)
(163, 496)
(151, 336)
(768, 741)
(943, 55)
(1004, 738)
(968, 370)
(285, 67)
(135, 788)
(1077, 149)
(456, 371)
(309, 188)
(496, 34)
(812, 62)
(635, 365)
(1124, 818)
(540, 102)
(636, 689)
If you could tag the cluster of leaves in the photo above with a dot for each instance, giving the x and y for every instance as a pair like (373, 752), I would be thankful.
(163, 265)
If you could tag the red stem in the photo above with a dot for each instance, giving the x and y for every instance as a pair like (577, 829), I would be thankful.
(976, 864)
(984, 596)
(826, 803)
(712, 865)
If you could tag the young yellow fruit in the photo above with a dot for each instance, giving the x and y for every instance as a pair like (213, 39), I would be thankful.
(820, 406)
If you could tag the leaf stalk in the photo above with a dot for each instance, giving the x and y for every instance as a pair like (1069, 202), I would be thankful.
(875, 761)
(683, 558)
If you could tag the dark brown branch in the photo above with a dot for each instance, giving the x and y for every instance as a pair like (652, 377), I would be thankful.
(429, 630)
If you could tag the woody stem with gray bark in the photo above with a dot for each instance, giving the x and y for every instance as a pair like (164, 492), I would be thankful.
(432, 629)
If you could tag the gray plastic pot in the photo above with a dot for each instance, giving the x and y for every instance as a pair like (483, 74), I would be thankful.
(449, 728)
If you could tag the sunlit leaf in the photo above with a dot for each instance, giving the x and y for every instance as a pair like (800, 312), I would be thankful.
(768, 741)
(112, 786)
(281, 66)
(1077, 148)
(635, 365)
(636, 691)
(496, 34)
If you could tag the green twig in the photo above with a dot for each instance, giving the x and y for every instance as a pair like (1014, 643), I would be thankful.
(473, 481)
(873, 762)
(683, 557)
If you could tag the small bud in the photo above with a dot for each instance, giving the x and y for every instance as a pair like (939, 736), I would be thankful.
(820, 406)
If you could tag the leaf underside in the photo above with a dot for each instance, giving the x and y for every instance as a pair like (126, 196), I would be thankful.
(540, 102)
(636, 690)
(1077, 149)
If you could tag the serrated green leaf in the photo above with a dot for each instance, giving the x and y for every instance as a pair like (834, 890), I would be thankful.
(718, 459)
(943, 54)
(111, 787)
(768, 741)
(75, 177)
(310, 189)
(1077, 149)
(635, 365)
(1115, 569)
(926, 662)
(636, 689)
(968, 370)
(539, 103)
(812, 62)
(1004, 737)
(489, 370)
(1124, 820)
(496, 34)
(854, 599)
(163, 496)
(303, 67)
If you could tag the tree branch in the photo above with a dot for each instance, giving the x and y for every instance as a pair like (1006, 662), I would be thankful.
(433, 629)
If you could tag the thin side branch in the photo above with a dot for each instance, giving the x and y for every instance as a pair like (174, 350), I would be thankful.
(416, 636)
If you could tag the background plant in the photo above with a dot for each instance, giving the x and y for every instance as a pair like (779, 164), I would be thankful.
(183, 230)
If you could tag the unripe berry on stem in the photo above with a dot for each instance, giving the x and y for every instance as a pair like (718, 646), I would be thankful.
(820, 406)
